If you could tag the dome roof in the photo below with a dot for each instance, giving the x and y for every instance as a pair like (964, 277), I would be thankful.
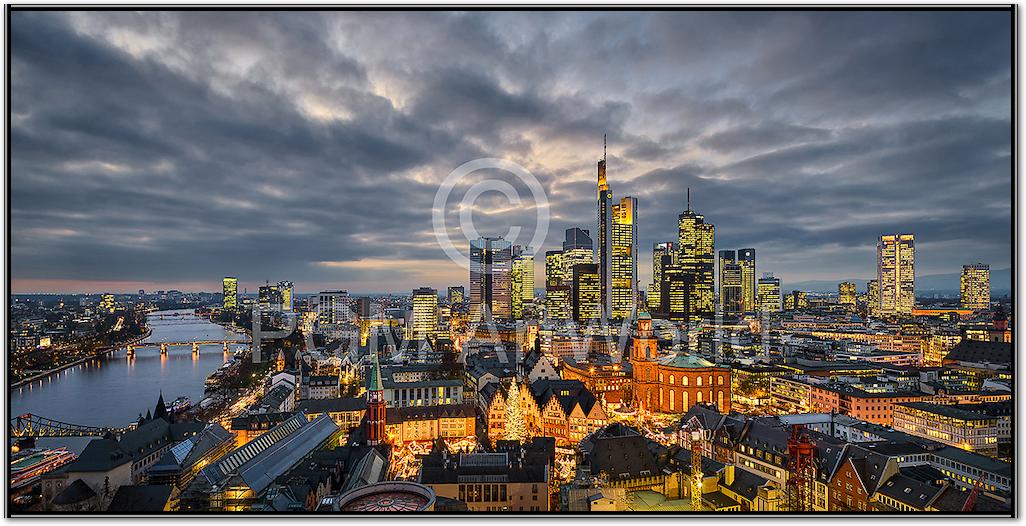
(685, 361)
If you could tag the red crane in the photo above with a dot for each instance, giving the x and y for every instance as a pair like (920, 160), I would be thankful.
(971, 501)
(800, 452)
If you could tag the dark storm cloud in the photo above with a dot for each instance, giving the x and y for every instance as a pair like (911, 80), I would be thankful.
(180, 147)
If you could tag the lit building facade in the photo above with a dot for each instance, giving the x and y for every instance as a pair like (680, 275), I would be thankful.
(749, 291)
(286, 290)
(673, 384)
(731, 284)
(521, 284)
(456, 295)
(490, 284)
(425, 313)
(658, 251)
(846, 294)
(872, 297)
(603, 243)
(896, 274)
(107, 303)
(333, 307)
(950, 425)
(769, 293)
(696, 259)
(586, 293)
(975, 287)
(230, 289)
(624, 289)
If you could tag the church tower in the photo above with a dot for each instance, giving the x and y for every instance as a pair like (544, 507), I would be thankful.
(375, 418)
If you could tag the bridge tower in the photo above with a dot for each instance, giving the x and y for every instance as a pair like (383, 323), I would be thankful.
(163, 349)
(195, 348)
(226, 347)
(131, 351)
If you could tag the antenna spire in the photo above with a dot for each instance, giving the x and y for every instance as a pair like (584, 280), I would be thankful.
(689, 199)
(603, 147)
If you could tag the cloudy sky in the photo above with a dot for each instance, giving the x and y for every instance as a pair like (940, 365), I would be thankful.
(166, 150)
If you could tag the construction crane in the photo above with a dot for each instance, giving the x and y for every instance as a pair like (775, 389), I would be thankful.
(801, 467)
(970, 502)
(694, 434)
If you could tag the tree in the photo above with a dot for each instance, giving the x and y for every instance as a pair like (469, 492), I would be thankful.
(514, 414)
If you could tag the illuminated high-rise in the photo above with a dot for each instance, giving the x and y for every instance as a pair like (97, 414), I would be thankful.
(658, 251)
(107, 303)
(603, 241)
(796, 300)
(490, 284)
(521, 282)
(287, 291)
(896, 275)
(730, 284)
(675, 291)
(975, 286)
(769, 293)
(872, 297)
(456, 295)
(846, 295)
(749, 293)
(425, 313)
(230, 288)
(557, 293)
(269, 297)
(696, 258)
(585, 292)
(333, 307)
(624, 288)
(577, 248)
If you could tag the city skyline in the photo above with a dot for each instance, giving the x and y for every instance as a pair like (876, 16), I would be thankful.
(294, 162)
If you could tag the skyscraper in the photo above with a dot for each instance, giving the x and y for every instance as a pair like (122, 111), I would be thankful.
(577, 248)
(230, 288)
(603, 243)
(769, 293)
(269, 297)
(749, 293)
(557, 294)
(333, 307)
(872, 297)
(975, 286)
(730, 284)
(846, 295)
(896, 255)
(675, 291)
(107, 303)
(490, 285)
(696, 260)
(585, 292)
(521, 282)
(658, 251)
(455, 295)
(624, 259)
(796, 300)
(286, 290)
(425, 313)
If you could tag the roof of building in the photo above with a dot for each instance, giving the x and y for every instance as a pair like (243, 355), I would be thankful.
(979, 351)
(76, 492)
(975, 460)
(140, 499)
(948, 411)
(332, 405)
(910, 491)
(256, 421)
(685, 361)
(190, 450)
(568, 393)
(619, 451)
(398, 415)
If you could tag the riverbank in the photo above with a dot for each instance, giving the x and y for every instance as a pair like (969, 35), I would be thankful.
(108, 350)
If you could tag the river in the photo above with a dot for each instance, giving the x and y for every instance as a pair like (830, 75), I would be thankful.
(114, 389)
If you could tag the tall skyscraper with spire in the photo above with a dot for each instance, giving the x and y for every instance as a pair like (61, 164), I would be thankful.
(697, 261)
(617, 250)
(603, 240)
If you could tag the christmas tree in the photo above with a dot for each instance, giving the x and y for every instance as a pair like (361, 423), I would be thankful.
(514, 414)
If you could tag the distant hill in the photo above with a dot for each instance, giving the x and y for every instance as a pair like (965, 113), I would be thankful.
(1000, 282)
